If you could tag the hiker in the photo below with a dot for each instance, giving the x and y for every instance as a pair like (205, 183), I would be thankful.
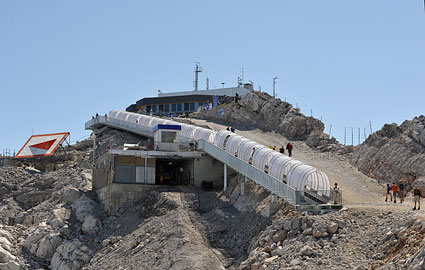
(395, 191)
(236, 98)
(232, 129)
(289, 148)
(282, 150)
(336, 193)
(417, 197)
(151, 113)
(388, 193)
(274, 148)
(401, 191)
(228, 128)
(271, 147)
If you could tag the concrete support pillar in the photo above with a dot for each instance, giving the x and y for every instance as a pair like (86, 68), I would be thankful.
(246, 179)
(243, 188)
(225, 178)
(273, 198)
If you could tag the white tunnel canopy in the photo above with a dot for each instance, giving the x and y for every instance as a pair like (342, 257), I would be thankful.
(304, 177)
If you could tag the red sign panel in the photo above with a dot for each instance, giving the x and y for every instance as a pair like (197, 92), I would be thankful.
(41, 145)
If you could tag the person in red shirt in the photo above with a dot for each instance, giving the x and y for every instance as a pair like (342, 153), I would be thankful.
(395, 191)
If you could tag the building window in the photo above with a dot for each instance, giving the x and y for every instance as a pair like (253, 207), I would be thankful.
(148, 109)
(166, 107)
(192, 106)
(186, 106)
(161, 108)
(168, 136)
(154, 108)
(179, 107)
(173, 107)
(200, 104)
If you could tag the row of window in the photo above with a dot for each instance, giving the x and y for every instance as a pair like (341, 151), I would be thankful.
(176, 107)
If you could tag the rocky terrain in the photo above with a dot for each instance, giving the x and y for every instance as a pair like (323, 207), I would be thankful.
(395, 153)
(50, 218)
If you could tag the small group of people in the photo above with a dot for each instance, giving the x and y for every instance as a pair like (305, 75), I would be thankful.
(232, 129)
(289, 147)
(400, 189)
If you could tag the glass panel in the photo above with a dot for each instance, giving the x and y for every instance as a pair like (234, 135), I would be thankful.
(179, 107)
(168, 136)
(192, 106)
(186, 106)
(173, 107)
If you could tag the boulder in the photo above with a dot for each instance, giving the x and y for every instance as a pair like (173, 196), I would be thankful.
(5, 256)
(42, 242)
(71, 194)
(71, 255)
(83, 207)
(11, 265)
(58, 217)
(307, 251)
(332, 228)
(90, 223)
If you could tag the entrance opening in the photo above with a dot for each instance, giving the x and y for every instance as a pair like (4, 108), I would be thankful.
(171, 172)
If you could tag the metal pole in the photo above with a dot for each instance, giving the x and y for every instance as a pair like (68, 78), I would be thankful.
(359, 135)
(274, 87)
(345, 134)
(330, 130)
(352, 136)
(225, 178)
(146, 171)
(364, 133)
(311, 112)
(370, 125)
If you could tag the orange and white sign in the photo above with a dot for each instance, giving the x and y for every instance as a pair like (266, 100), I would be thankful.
(41, 145)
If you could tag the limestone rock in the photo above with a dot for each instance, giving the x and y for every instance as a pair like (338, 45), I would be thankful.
(71, 194)
(5, 256)
(90, 223)
(394, 153)
(71, 255)
(42, 242)
(332, 228)
(83, 207)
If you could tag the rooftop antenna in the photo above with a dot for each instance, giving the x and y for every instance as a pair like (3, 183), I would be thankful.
(208, 84)
(259, 88)
(274, 86)
(198, 69)
(223, 83)
(242, 76)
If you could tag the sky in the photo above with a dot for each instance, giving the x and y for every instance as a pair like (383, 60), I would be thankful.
(352, 64)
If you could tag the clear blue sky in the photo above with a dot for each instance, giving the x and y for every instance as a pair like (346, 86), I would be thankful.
(347, 61)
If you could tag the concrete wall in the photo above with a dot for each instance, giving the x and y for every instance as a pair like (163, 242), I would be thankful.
(208, 169)
(103, 173)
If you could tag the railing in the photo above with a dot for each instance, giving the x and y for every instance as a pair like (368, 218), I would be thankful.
(268, 182)
(120, 124)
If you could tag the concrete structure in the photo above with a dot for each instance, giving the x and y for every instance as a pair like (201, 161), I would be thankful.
(301, 185)
(186, 101)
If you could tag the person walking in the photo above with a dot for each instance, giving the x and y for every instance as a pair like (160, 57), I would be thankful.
(289, 148)
(274, 148)
(388, 193)
(336, 193)
(395, 191)
(232, 129)
(417, 197)
(401, 191)
(282, 150)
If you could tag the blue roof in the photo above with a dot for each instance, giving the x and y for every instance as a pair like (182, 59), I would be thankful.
(169, 127)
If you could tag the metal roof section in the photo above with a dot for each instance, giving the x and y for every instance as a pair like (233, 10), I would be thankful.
(286, 177)
(41, 145)
(230, 91)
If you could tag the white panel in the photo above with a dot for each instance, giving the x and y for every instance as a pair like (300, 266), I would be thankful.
(277, 167)
(140, 174)
(221, 136)
(232, 145)
(150, 176)
(113, 113)
(245, 150)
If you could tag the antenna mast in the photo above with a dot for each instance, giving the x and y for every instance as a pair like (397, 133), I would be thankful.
(274, 86)
(198, 69)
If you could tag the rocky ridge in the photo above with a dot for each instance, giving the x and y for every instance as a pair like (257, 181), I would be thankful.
(394, 153)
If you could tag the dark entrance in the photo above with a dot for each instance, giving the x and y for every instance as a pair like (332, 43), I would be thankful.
(169, 172)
